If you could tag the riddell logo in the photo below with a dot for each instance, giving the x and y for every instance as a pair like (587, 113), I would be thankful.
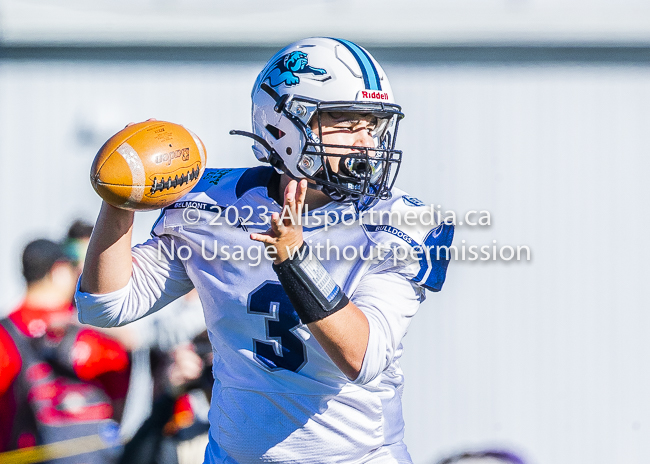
(372, 95)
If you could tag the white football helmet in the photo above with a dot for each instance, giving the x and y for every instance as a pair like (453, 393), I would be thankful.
(318, 75)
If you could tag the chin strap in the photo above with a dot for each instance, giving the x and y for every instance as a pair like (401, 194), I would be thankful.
(274, 158)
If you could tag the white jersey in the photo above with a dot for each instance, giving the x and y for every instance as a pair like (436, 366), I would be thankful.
(277, 396)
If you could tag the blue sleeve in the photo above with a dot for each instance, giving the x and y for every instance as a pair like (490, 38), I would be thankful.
(434, 257)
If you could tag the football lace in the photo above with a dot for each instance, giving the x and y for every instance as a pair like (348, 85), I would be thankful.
(177, 181)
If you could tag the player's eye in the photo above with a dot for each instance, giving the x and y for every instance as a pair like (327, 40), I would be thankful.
(348, 125)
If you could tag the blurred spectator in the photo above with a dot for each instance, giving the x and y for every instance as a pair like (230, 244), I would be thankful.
(76, 243)
(177, 430)
(493, 456)
(58, 381)
(174, 325)
(163, 335)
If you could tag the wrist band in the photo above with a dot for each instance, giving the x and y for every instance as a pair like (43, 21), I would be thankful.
(311, 290)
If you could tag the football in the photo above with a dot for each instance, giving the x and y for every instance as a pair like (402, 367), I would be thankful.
(148, 165)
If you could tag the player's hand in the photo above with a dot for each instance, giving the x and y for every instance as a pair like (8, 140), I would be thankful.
(131, 123)
(285, 234)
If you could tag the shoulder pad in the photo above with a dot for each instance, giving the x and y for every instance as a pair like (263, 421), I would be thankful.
(217, 187)
(218, 183)
(406, 223)
(434, 257)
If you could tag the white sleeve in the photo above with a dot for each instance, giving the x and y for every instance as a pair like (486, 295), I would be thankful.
(156, 280)
(389, 301)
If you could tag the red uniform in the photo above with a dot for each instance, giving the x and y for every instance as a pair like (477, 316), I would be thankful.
(57, 380)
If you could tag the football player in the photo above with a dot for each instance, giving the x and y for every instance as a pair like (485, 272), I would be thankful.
(307, 343)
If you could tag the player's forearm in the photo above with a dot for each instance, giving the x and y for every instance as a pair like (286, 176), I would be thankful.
(108, 264)
(344, 337)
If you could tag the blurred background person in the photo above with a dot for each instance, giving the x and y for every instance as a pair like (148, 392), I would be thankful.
(58, 380)
(76, 242)
(177, 430)
(490, 456)
(162, 336)
(162, 332)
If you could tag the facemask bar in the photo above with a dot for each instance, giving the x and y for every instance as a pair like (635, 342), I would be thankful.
(375, 171)
(365, 171)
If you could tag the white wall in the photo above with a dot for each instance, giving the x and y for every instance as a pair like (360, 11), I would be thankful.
(548, 356)
(387, 22)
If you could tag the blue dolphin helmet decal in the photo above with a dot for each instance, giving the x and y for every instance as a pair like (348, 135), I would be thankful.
(285, 69)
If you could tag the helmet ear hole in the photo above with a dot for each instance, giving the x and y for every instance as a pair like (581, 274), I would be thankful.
(275, 132)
